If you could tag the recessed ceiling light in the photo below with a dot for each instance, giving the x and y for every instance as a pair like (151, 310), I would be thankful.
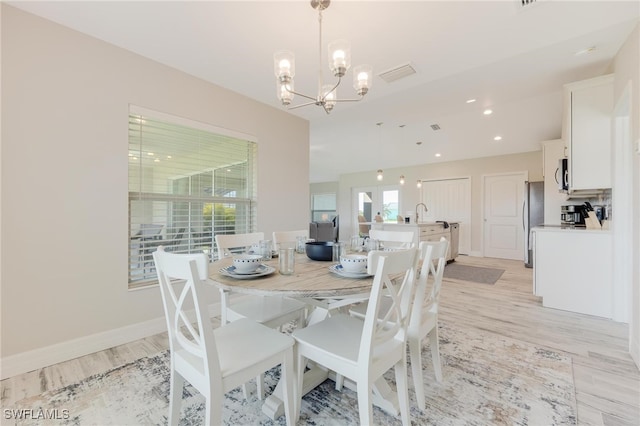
(157, 160)
(150, 153)
(470, 101)
(497, 138)
(437, 154)
(487, 111)
(585, 51)
(169, 157)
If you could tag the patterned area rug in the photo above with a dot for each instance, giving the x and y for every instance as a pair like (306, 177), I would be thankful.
(476, 274)
(488, 380)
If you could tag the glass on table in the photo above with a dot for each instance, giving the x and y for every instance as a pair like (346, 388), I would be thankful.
(265, 249)
(286, 260)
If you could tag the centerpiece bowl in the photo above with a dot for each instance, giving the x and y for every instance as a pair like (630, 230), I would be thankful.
(320, 250)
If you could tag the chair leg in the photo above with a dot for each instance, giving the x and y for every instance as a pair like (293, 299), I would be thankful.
(415, 349)
(213, 405)
(365, 406)
(260, 386)
(402, 387)
(224, 302)
(289, 392)
(175, 397)
(434, 342)
(339, 382)
(300, 366)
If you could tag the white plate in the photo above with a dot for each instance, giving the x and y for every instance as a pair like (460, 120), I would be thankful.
(338, 269)
(262, 270)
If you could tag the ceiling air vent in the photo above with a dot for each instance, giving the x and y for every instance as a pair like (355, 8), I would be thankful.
(435, 127)
(397, 73)
(526, 4)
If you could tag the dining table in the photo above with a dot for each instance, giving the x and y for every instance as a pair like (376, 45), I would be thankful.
(325, 291)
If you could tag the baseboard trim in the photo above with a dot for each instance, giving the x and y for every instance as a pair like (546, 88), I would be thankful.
(43, 357)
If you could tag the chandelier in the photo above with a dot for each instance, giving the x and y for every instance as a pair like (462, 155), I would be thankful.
(339, 55)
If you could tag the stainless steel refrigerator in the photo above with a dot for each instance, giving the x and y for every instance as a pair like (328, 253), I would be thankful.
(532, 215)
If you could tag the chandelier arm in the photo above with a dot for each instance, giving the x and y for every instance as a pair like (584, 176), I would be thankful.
(349, 100)
(302, 105)
(303, 95)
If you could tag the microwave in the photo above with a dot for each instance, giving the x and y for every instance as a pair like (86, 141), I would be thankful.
(562, 175)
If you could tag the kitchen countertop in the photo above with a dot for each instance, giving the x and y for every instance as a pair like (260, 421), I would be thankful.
(567, 228)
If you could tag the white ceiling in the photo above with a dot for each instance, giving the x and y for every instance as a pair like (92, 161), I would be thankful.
(509, 58)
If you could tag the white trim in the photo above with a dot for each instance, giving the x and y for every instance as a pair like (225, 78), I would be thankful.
(42, 357)
(622, 205)
(135, 109)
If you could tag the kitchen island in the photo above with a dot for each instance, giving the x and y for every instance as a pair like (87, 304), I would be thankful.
(428, 231)
(572, 269)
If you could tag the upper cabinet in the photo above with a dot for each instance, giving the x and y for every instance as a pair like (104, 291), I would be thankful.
(587, 132)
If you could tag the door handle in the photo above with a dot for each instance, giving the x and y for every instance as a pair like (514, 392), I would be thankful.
(523, 205)
(555, 176)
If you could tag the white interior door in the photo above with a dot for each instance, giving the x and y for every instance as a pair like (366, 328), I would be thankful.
(450, 200)
(503, 234)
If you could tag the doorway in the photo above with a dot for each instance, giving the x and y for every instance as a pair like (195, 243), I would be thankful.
(372, 200)
(503, 230)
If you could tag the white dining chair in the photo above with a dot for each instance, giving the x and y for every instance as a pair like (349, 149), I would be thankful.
(272, 311)
(363, 351)
(288, 236)
(214, 361)
(424, 313)
(393, 239)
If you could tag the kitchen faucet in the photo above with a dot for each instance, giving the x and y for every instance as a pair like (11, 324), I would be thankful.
(425, 210)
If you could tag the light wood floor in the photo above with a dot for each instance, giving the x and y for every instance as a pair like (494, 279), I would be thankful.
(606, 378)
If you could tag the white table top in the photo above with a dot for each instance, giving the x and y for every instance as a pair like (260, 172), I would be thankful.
(311, 279)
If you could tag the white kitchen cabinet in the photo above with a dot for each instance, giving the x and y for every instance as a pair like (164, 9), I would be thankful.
(552, 152)
(424, 232)
(573, 270)
(587, 132)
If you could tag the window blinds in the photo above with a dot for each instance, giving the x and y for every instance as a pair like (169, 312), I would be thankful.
(187, 182)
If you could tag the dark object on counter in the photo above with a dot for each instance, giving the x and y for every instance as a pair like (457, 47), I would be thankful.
(320, 250)
(445, 224)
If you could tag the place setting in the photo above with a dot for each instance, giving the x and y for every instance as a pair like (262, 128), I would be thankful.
(247, 266)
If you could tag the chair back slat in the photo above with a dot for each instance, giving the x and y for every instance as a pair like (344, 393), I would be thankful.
(382, 327)
(190, 270)
(288, 236)
(393, 239)
(227, 242)
(433, 263)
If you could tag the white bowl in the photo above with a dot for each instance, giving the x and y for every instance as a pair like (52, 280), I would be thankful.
(246, 263)
(354, 263)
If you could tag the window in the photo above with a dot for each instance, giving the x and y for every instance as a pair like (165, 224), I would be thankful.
(187, 182)
(323, 207)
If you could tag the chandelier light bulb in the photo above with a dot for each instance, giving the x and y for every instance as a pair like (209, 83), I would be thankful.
(401, 179)
(379, 174)
(419, 184)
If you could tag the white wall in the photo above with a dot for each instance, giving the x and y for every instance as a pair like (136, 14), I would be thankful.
(65, 99)
(627, 71)
(475, 168)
